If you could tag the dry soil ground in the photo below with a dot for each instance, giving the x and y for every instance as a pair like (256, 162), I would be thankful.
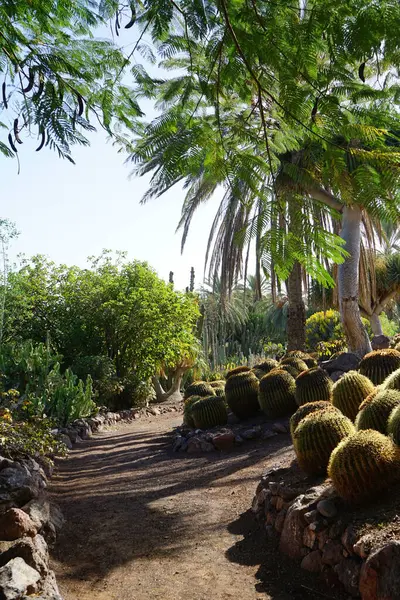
(143, 523)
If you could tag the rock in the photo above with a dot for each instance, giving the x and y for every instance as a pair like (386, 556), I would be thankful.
(270, 531)
(327, 508)
(380, 574)
(206, 446)
(49, 589)
(267, 433)
(15, 523)
(287, 493)
(279, 428)
(332, 553)
(322, 538)
(17, 578)
(73, 435)
(311, 516)
(380, 342)
(154, 411)
(349, 538)
(291, 541)
(251, 434)
(47, 518)
(179, 440)
(34, 551)
(309, 538)
(194, 445)
(362, 548)
(233, 419)
(239, 440)
(65, 439)
(280, 503)
(224, 441)
(273, 487)
(336, 375)
(348, 572)
(312, 562)
(280, 521)
(18, 486)
(347, 361)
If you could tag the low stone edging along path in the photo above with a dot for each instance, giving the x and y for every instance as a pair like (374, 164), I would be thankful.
(144, 523)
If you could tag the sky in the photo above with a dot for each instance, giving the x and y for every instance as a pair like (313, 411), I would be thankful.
(69, 212)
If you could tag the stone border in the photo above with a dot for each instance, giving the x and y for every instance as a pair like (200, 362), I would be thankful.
(311, 531)
(28, 526)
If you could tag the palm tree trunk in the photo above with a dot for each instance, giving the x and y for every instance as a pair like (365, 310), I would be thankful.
(348, 280)
(296, 323)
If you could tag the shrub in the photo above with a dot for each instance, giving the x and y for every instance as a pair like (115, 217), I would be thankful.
(276, 394)
(376, 408)
(23, 439)
(350, 391)
(236, 370)
(241, 393)
(199, 388)
(328, 350)
(323, 327)
(187, 410)
(307, 409)
(69, 397)
(209, 412)
(379, 364)
(363, 464)
(313, 385)
(316, 436)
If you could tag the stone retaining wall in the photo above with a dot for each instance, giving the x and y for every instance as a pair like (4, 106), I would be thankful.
(314, 531)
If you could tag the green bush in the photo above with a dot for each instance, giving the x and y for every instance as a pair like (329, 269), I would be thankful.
(316, 436)
(209, 412)
(24, 439)
(241, 393)
(363, 464)
(323, 327)
(379, 364)
(313, 385)
(276, 394)
(68, 398)
(350, 391)
(376, 408)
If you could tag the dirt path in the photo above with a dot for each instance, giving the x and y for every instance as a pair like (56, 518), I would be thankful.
(143, 523)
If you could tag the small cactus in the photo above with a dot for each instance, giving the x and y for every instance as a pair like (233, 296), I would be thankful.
(392, 382)
(276, 394)
(313, 385)
(237, 370)
(307, 358)
(187, 410)
(376, 408)
(209, 412)
(289, 369)
(198, 388)
(296, 363)
(219, 387)
(307, 409)
(350, 391)
(363, 464)
(316, 436)
(258, 372)
(241, 393)
(379, 364)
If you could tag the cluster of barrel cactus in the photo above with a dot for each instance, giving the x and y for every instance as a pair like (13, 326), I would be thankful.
(316, 436)
(313, 385)
(363, 464)
(241, 393)
(209, 412)
(350, 391)
(379, 364)
(276, 394)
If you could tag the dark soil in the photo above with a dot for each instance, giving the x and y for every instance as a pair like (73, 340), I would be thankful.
(143, 523)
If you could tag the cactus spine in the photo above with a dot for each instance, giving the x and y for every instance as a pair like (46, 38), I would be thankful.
(313, 385)
(350, 391)
(363, 464)
(241, 393)
(379, 364)
(209, 412)
(276, 394)
(316, 436)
